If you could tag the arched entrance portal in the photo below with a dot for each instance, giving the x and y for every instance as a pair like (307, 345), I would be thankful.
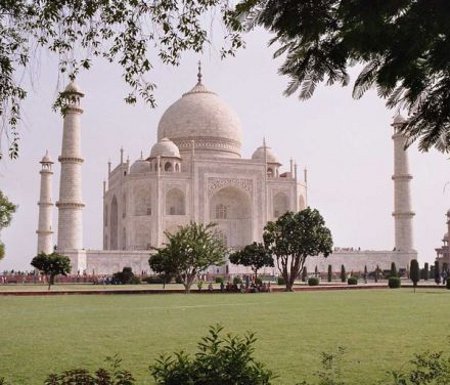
(231, 209)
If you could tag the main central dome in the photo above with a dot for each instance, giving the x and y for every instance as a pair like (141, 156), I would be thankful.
(201, 119)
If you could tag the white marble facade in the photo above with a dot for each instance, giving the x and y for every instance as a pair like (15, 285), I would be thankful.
(195, 173)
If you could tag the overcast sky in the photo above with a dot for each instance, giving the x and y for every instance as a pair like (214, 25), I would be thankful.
(346, 146)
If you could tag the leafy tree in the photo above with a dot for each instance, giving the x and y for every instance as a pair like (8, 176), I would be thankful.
(128, 32)
(220, 360)
(254, 255)
(343, 274)
(402, 45)
(192, 249)
(51, 265)
(414, 273)
(393, 272)
(437, 273)
(7, 209)
(295, 236)
(163, 265)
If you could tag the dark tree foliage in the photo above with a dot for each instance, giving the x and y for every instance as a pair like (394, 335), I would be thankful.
(426, 272)
(343, 274)
(414, 273)
(133, 33)
(224, 360)
(437, 273)
(51, 265)
(188, 252)
(330, 273)
(403, 45)
(293, 237)
(7, 209)
(393, 272)
(254, 255)
(163, 265)
(126, 277)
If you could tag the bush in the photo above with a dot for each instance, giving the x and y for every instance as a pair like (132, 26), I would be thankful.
(153, 279)
(394, 282)
(126, 277)
(448, 284)
(330, 273)
(281, 281)
(237, 280)
(224, 360)
(352, 281)
(219, 279)
(258, 281)
(313, 281)
(343, 273)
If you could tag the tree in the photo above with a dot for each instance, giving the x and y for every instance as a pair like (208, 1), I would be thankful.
(51, 265)
(393, 272)
(219, 360)
(343, 274)
(191, 250)
(321, 39)
(293, 237)
(126, 277)
(414, 273)
(304, 274)
(437, 273)
(330, 273)
(426, 273)
(377, 273)
(163, 265)
(131, 33)
(254, 255)
(7, 209)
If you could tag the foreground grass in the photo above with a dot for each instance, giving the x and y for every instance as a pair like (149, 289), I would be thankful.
(380, 329)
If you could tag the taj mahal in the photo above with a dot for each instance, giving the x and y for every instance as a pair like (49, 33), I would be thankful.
(194, 172)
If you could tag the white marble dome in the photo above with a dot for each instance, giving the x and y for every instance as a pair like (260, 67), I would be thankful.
(202, 119)
(140, 166)
(271, 157)
(165, 148)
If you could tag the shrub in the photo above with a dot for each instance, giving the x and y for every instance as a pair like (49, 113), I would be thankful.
(352, 281)
(237, 280)
(313, 281)
(448, 284)
(393, 272)
(343, 273)
(199, 284)
(330, 273)
(394, 282)
(126, 277)
(258, 281)
(219, 279)
(153, 279)
(281, 281)
(304, 274)
(224, 360)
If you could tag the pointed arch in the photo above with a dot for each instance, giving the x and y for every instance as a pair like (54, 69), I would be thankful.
(114, 231)
(280, 204)
(175, 202)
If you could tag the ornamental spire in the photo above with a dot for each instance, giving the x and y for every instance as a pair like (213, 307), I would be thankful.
(199, 74)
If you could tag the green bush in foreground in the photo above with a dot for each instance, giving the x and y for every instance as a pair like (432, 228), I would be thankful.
(394, 282)
(352, 281)
(313, 281)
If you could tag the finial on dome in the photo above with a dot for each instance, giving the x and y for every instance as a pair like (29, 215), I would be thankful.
(199, 74)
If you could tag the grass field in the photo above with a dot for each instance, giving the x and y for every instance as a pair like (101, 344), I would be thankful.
(380, 329)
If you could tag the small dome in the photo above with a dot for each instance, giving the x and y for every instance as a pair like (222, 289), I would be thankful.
(201, 119)
(399, 119)
(140, 166)
(73, 88)
(165, 148)
(46, 158)
(271, 157)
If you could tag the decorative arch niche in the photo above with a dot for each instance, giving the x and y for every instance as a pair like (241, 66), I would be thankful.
(231, 208)
(175, 202)
(280, 204)
(114, 231)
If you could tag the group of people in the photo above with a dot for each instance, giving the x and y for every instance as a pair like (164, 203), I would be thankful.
(241, 287)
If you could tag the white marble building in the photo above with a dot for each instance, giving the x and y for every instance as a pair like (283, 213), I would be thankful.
(194, 172)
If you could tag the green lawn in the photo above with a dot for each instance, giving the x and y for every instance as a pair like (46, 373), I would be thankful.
(380, 330)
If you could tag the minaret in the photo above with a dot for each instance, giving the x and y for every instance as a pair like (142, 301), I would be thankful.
(403, 214)
(70, 205)
(44, 231)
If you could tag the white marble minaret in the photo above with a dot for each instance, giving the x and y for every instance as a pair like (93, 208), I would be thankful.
(70, 204)
(403, 214)
(44, 231)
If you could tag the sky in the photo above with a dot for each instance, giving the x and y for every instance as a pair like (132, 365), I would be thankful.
(344, 144)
